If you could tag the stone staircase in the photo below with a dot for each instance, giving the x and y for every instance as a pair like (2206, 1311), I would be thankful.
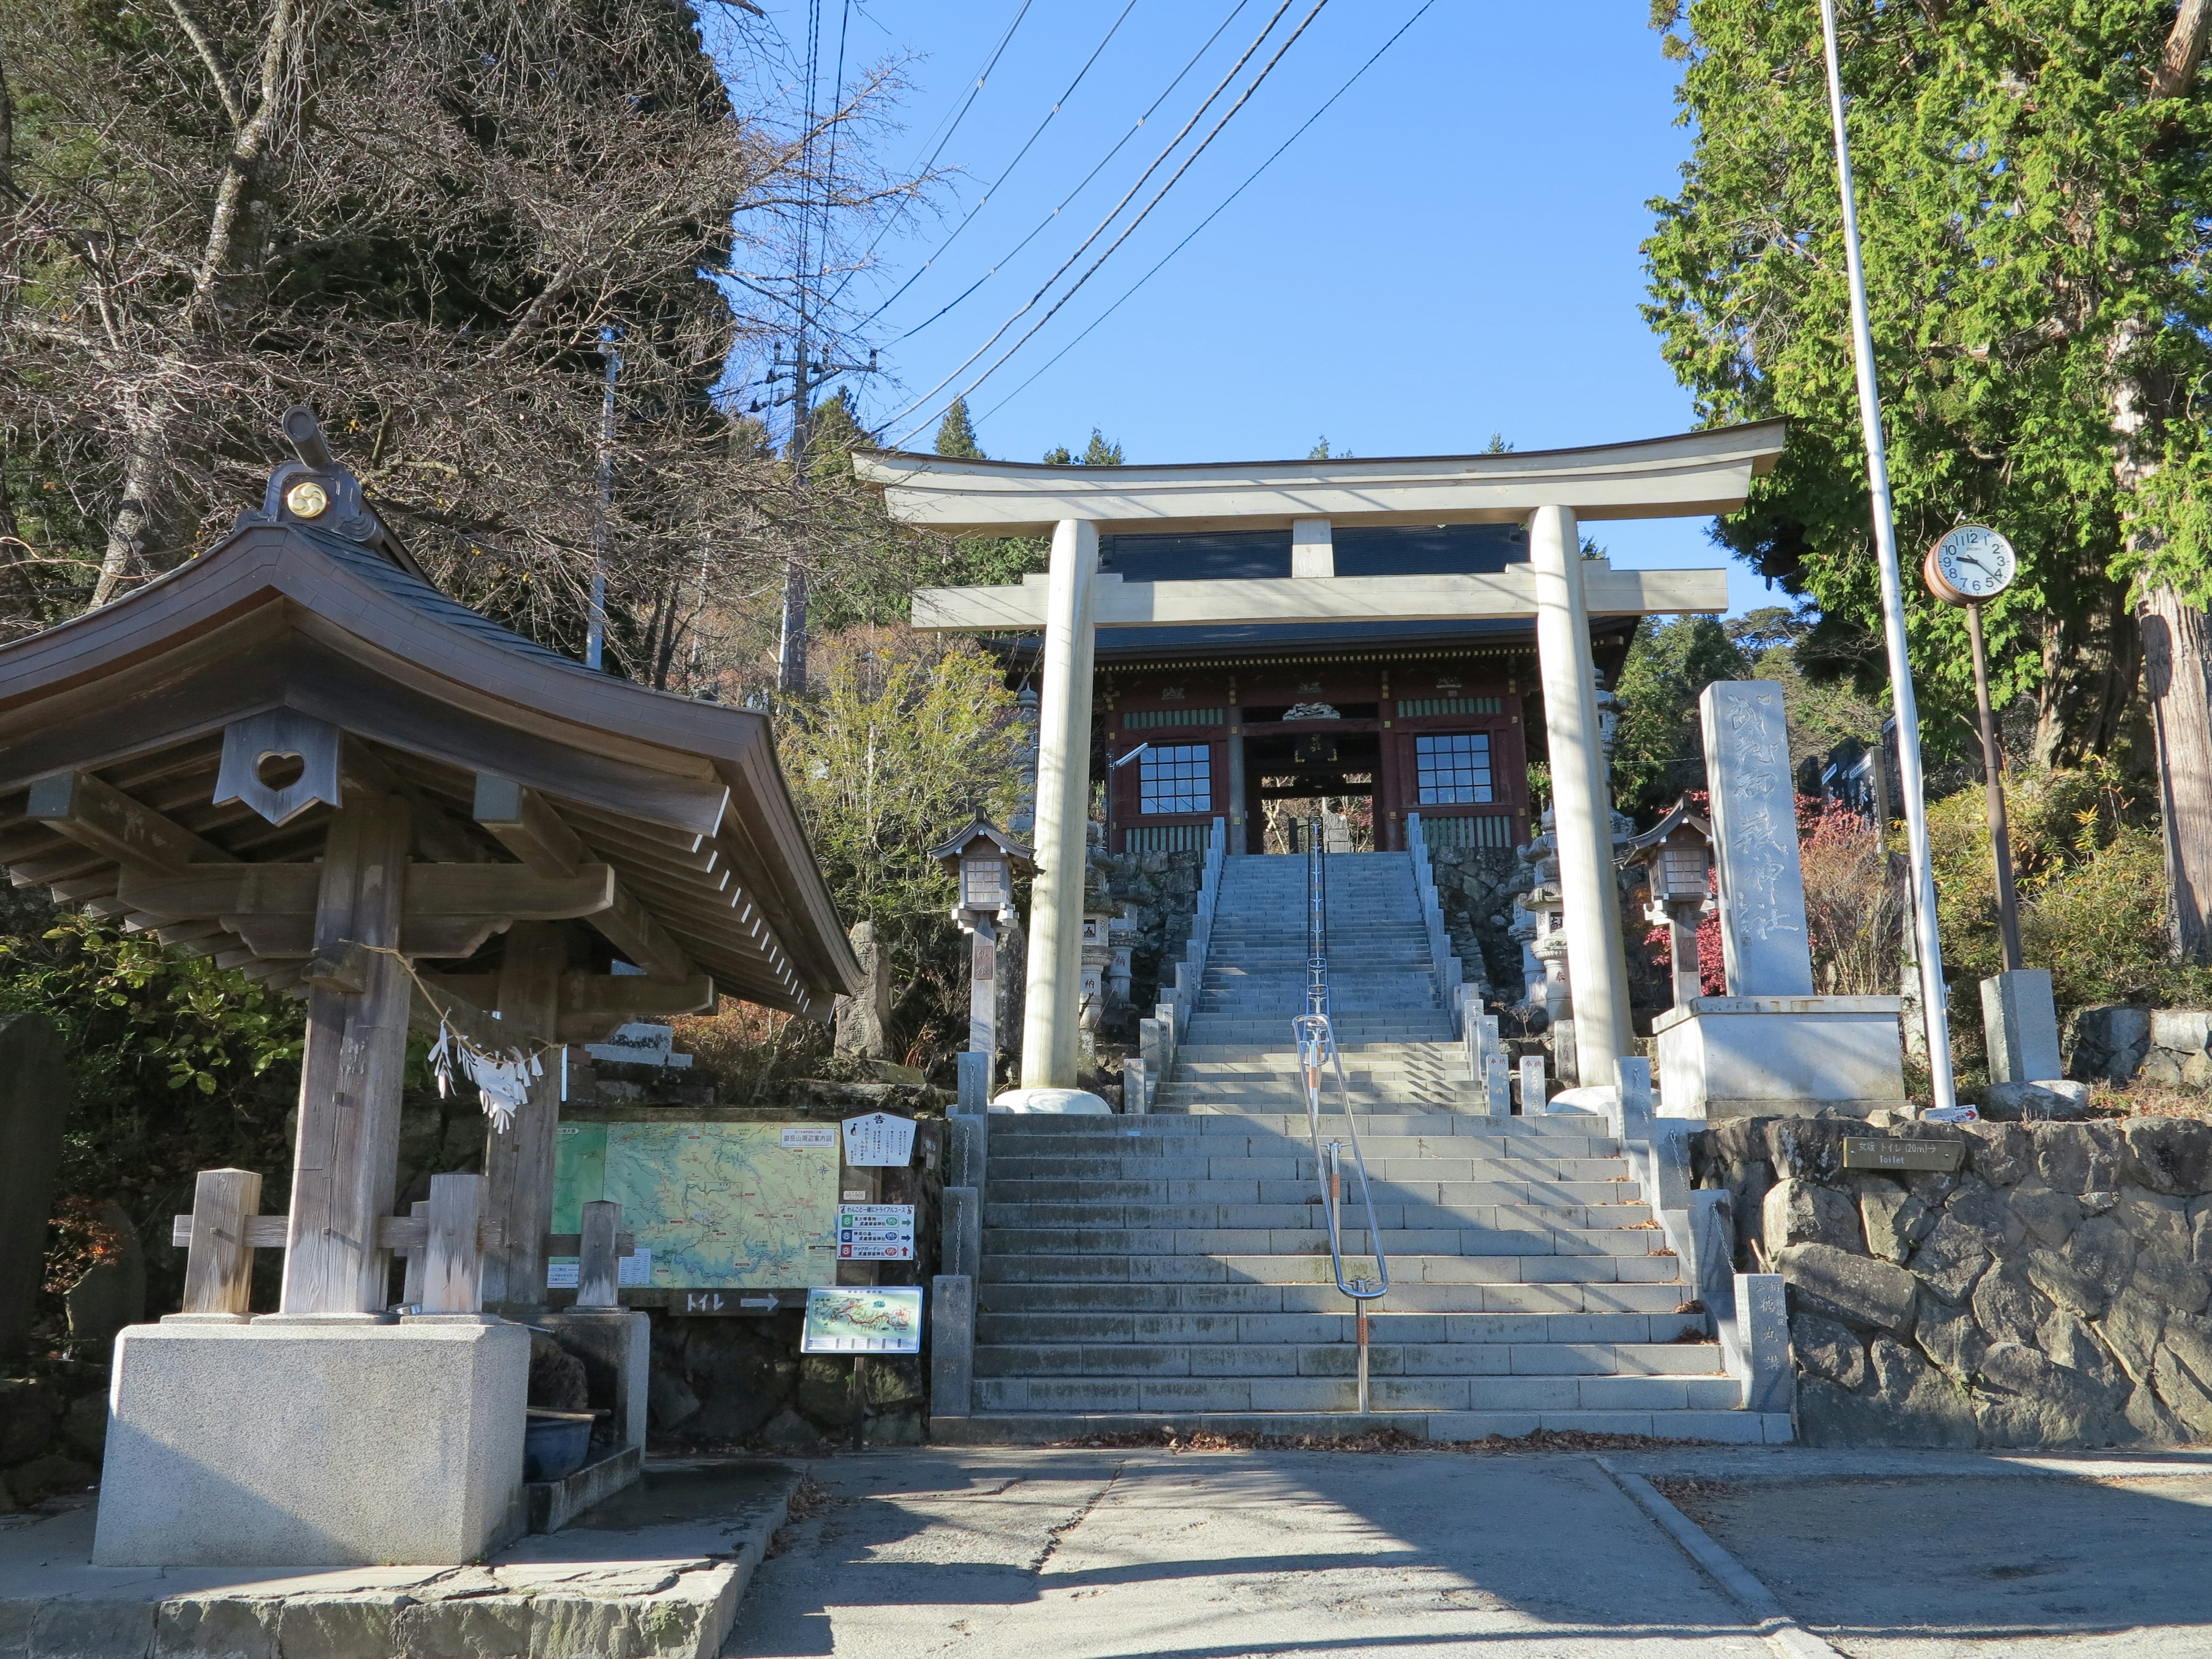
(1173, 1269)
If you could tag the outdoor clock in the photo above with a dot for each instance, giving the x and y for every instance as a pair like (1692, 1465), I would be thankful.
(1972, 564)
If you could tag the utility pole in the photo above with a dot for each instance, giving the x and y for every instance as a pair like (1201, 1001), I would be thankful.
(1935, 1004)
(808, 373)
(595, 616)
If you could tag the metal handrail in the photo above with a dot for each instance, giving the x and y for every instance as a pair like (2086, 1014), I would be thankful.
(1315, 1035)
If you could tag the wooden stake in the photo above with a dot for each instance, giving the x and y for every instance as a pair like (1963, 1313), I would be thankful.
(452, 1268)
(219, 1268)
(597, 1272)
(351, 1074)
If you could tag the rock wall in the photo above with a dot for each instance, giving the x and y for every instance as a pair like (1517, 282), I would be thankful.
(1476, 887)
(53, 1427)
(2118, 1043)
(1159, 894)
(2051, 1292)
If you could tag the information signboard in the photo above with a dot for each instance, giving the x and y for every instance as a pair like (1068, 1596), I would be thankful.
(875, 1232)
(862, 1319)
(878, 1140)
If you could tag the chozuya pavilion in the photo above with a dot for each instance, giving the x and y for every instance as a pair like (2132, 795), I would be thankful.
(295, 754)
(1247, 619)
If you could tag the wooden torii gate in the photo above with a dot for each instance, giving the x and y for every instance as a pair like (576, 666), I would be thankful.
(296, 754)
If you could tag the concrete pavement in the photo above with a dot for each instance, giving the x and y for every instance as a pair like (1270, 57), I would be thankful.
(1099, 1553)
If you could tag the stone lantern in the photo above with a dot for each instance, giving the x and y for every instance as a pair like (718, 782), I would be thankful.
(1677, 855)
(984, 861)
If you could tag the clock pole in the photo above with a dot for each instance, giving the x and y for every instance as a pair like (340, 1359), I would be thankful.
(1993, 785)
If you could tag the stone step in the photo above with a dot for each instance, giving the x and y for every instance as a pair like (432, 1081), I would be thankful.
(1243, 1296)
(1340, 1358)
(1319, 1393)
(1482, 1329)
(1379, 1148)
(1525, 1267)
(1516, 1239)
(1455, 1196)
(1508, 1131)
(1100, 1166)
(1046, 1428)
(1277, 1217)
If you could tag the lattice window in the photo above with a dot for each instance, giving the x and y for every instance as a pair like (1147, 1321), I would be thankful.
(1416, 708)
(1176, 777)
(1453, 769)
(1144, 718)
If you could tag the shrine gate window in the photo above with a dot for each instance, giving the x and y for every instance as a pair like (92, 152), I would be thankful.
(1176, 778)
(1453, 768)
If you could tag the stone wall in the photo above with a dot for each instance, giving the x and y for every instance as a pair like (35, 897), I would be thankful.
(1159, 894)
(53, 1425)
(2118, 1043)
(2052, 1292)
(1476, 887)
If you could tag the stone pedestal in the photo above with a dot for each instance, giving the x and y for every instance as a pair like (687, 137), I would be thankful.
(1723, 1057)
(309, 1444)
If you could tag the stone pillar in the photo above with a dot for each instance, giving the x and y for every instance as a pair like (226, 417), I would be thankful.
(1581, 798)
(863, 1020)
(1063, 814)
(1760, 885)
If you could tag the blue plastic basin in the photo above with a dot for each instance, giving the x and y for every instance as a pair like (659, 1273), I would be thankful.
(555, 1444)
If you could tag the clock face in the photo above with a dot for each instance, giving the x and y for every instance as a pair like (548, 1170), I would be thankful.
(1975, 561)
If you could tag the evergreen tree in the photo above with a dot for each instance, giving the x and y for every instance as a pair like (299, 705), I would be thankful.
(1059, 455)
(2038, 225)
(1100, 452)
(956, 433)
(1658, 754)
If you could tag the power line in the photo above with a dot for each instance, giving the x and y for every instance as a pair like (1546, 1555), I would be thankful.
(1116, 212)
(1250, 179)
(993, 189)
(958, 115)
(1227, 116)
(1084, 184)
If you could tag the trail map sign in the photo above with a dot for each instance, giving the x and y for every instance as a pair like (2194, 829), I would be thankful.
(713, 1205)
(862, 1319)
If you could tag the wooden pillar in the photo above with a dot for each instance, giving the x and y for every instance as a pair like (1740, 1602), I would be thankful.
(519, 1163)
(351, 1074)
(453, 1269)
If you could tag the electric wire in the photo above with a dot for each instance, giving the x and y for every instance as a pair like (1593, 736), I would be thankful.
(966, 104)
(1082, 184)
(1250, 179)
(1227, 116)
(992, 188)
(1235, 69)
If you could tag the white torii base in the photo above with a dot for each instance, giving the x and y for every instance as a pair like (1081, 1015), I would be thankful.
(1723, 1057)
(342, 1444)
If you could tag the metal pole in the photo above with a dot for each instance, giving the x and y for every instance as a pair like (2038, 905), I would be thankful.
(1934, 1000)
(595, 617)
(1993, 785)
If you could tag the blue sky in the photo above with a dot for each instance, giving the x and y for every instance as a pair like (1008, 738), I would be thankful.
(1451, 250)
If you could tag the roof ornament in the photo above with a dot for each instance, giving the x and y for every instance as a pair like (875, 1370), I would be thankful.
(314, 491)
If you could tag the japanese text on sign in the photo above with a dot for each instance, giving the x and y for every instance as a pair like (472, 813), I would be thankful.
(875, 1232)
(879, 1139)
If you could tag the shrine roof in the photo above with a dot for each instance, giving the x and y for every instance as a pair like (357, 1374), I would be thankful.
(682, 801)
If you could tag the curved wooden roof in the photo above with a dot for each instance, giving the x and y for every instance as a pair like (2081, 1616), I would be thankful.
(683, 799)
